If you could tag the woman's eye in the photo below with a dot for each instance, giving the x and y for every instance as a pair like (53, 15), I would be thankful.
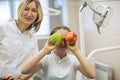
(26, 9)
(34, 10)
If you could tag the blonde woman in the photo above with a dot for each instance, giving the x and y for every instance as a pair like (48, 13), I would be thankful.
(17, 40)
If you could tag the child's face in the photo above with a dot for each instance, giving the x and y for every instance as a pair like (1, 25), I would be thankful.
(63, 44)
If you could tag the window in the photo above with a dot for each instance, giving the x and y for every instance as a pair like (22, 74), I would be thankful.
(45, 25)
(4, 11)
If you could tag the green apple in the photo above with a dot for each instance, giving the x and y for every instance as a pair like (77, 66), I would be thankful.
(56, 38)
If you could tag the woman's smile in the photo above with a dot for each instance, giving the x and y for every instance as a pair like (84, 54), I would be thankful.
(28, 18)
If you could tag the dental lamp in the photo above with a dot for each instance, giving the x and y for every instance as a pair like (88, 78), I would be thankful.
(52, 11)
(100, 14)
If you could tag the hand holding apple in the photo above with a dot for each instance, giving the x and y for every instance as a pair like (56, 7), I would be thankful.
(56, 38)
(71, 38)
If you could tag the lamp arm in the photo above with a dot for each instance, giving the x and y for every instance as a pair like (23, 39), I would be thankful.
(91, 6)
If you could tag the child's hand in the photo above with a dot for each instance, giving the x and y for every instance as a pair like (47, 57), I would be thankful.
(49, 46)
(73, 48)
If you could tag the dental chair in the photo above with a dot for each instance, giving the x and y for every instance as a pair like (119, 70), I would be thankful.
(106, 61)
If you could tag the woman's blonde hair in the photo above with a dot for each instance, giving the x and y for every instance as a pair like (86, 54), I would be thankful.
(37, 23)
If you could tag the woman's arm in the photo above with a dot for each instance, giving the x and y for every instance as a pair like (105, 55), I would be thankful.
(33, 62)
(85, 66)
(25, 76)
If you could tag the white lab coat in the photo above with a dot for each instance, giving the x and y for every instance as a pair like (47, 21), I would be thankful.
(15, 48)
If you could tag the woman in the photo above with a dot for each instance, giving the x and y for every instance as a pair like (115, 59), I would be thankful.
(60, 65)
(17, 40)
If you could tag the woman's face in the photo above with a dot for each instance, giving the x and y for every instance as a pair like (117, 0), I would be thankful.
(63, 45)
(30, 14)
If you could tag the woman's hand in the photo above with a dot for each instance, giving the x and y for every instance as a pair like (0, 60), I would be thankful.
(8, 77)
